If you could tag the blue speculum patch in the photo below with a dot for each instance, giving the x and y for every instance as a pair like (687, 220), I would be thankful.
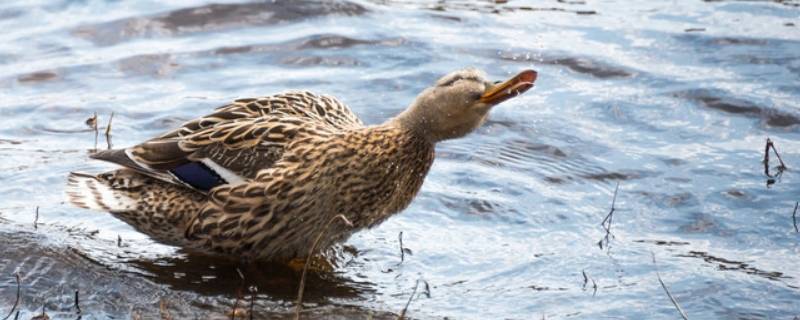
(198, 175)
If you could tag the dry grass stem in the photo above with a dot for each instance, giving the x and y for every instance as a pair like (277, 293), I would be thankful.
(77, 305)
(299, 303)
(671, 298)
(235, 309)
(413, 294)
(235, 312)
(36, 219)
(781, 167)
(606, 223)
(16, 301)
(794, 216)
(403, 249)
(108, 130)
(585, 278)
(253, 292)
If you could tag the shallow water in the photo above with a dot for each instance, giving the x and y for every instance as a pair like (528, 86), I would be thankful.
(672, 100)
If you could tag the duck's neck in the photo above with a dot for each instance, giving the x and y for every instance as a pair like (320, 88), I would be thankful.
(414, 120)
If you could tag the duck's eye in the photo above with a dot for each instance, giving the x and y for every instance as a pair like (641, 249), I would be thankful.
(476, 96)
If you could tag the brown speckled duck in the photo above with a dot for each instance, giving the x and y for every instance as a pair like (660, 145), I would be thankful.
(260, 178)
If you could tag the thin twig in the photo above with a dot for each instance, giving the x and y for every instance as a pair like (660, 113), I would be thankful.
(613, 204)
(766, 157)
(36, 219)
(108, 130)
(77, 306)
(236, 305)
(402, 249)
(606, 224)
(299, 302)
(253, 292)
(239, 294)
(413, 293)
(782, 167)
(16, 301)
(585, 278)
(119, 241)
(671, 298)
(794, 216)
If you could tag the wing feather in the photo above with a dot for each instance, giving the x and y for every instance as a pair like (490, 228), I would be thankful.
(243, 137)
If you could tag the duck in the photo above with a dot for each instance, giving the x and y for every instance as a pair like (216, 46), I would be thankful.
(261, 178)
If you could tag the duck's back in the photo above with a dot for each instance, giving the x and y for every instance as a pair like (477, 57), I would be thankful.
(236, 141)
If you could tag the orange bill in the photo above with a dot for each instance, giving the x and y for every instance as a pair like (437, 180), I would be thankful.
(511, 88)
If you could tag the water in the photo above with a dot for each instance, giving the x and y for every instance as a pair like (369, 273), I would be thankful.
(673, 100)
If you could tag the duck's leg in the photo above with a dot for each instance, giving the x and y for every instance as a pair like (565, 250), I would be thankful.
(158, 209)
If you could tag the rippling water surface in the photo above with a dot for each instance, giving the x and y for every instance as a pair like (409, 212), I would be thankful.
(672, 100)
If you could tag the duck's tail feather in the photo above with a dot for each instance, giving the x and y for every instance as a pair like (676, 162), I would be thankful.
(98, 193)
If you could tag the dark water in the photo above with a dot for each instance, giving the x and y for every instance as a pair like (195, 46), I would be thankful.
(673, 100)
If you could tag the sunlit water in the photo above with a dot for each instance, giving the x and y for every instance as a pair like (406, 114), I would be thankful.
(672, 100)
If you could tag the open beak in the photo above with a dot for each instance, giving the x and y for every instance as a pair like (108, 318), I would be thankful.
(509, 89)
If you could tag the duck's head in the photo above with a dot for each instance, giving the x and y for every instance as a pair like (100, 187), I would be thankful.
(459, 103)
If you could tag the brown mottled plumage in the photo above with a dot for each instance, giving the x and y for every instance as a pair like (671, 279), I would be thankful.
(258, 178)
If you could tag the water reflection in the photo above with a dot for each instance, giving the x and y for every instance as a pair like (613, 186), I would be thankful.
(214, 276)
(211, 18)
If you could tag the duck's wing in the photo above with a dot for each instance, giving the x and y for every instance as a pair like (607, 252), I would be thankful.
(237, 219)
(232, 144)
